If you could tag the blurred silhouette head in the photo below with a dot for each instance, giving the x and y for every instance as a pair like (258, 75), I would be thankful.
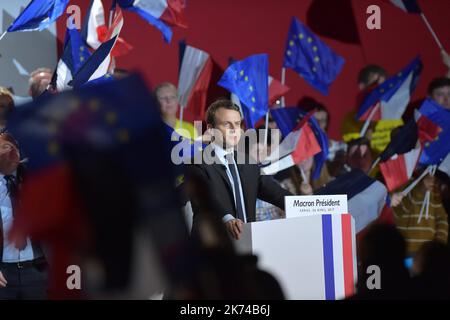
(439, 91)
(359, 154)
(322, 115)
(6, 105)
(371, 75)
(39, 81)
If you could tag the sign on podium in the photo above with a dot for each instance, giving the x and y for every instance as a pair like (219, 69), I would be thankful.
(312, 255)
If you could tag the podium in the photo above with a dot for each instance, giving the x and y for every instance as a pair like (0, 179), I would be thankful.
(312, 257)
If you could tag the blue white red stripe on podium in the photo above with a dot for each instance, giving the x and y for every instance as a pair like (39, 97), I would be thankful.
(338, 256)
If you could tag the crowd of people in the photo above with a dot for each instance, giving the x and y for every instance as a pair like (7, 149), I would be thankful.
(396, 236)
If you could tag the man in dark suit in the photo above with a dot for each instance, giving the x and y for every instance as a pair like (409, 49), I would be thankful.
(234, 181)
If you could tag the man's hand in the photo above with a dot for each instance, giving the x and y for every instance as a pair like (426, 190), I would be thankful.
(3, 281)
(235, 227)
(396, 199)
(306, 189)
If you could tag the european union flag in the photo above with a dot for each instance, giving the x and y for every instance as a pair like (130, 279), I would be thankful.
(75, 54)
(247, 79)
(105, 117)
(75, 51)
(38, 15)
(287, 120)
(434, 152)
(393, 94)
(311, 58)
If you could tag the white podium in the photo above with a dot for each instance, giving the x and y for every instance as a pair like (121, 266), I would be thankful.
(312, 257)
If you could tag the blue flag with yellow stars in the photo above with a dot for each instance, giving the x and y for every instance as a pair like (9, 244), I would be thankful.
(75, 51)
(74, 55)
(105, 117)
(435, 151)
(247, 79)
(311, 58)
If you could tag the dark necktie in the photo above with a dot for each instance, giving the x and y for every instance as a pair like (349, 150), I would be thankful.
(11, 186)
(233, 169)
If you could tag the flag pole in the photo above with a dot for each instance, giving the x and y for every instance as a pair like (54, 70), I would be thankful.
(427, 198)
(412, 185)
(283, 80)
(181, 117)
(374, 164)
(3, 34)
(267, 129)
(425, 20)
(369, 118)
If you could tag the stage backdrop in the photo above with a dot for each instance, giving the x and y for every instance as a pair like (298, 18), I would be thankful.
(238, 28)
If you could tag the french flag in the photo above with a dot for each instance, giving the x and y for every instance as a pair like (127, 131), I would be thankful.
(410, 6)
(390, 99)
(288, 118)
(196, 68)
(399, 168)
(160, 13)
(95, 30)
(298, 146)
(366, 196)
(401, 156)
(98, 64)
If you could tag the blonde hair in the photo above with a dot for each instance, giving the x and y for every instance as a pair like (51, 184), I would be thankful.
(6, 98)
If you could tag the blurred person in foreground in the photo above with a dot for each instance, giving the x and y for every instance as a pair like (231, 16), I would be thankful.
(23, 267)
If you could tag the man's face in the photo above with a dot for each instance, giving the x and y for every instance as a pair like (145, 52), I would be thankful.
(228, 122)
(9, 157)
(442, 96)
(168, 99)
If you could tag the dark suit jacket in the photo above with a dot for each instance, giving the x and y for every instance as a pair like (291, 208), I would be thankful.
(254, 185)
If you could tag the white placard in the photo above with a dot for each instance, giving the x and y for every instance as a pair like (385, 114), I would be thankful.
(300, 206)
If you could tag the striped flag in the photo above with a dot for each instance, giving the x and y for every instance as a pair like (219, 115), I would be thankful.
(74, 55)
(98, 64)
(298, 146)
(339, 255)
(95, 30)
(366, 196)
(390, 99)
(399, 168)
(160, 13)
(288, 118)
(193, 81)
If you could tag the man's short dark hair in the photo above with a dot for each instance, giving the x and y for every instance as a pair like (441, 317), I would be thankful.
(438, 83)
(366, 72)
(216, 105)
